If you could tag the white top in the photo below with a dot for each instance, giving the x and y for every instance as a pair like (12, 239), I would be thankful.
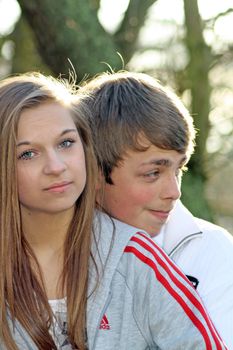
(59, 329)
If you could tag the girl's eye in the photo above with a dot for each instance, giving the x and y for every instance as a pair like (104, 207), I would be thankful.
(66, 143)
(26, 155)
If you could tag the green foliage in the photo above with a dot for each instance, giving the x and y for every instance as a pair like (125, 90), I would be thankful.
(26, 57)
(193, 188)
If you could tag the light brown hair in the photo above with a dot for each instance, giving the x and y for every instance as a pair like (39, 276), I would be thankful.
(22, 295)
(125, 106)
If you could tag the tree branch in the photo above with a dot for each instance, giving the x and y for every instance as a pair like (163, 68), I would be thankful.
(127, 35)
(211, 21)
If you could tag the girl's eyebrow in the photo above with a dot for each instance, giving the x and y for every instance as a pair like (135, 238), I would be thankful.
(68, 130)
(27, 143)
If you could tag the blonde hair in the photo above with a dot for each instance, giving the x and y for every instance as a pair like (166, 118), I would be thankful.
(22, 295)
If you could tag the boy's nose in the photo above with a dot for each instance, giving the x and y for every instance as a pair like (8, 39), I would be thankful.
(171, 189)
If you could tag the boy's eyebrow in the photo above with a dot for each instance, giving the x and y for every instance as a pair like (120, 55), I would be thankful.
(164, 162)
(161, 161)
(26, 143)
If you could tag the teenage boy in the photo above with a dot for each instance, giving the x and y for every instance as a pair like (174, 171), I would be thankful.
(143, 138)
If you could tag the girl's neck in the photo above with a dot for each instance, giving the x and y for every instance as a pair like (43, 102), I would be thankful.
(44, 230)
(46, 235)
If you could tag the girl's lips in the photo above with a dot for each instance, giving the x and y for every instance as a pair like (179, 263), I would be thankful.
(58, 187)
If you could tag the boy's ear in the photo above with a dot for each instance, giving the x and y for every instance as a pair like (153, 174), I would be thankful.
(100, 180)
(99, 189)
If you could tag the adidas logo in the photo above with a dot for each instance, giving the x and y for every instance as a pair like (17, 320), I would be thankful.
(104, 323)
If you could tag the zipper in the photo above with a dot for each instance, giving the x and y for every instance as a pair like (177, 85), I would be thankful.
(102, 315)
(183, 241)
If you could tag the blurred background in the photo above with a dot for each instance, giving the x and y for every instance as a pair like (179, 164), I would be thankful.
(186, 44)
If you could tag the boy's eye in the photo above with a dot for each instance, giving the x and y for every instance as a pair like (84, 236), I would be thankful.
(26, 155)
(152, 174)
(66, 143)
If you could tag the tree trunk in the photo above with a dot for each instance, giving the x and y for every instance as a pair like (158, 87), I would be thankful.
(69, 30)
(198, 81)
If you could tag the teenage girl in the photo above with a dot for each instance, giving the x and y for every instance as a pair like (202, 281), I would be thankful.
(47, 177)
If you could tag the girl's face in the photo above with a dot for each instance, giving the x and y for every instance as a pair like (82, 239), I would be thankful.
(50, 160)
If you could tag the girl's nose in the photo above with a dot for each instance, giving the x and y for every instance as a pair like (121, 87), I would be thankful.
(54, 164)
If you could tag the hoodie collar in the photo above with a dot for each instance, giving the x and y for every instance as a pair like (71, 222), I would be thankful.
(180, 227)
(111, 238)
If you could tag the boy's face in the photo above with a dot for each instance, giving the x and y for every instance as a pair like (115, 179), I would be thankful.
(146, 186)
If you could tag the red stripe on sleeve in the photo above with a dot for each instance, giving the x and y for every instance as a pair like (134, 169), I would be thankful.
(164, 255)
(179, 284)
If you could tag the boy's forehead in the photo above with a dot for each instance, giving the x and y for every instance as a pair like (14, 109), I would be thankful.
(153, 155)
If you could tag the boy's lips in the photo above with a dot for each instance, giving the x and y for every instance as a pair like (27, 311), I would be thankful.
(161, 214)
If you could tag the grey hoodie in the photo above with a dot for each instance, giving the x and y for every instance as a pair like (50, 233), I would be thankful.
(142, 300)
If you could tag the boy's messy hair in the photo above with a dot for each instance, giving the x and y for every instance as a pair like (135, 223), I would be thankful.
(126, 107)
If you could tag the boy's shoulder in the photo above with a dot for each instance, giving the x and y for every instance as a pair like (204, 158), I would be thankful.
(183, 227)
(216, 238)
(148, 263)
(207, 226)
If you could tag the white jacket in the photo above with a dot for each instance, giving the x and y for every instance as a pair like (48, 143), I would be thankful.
(204, 251)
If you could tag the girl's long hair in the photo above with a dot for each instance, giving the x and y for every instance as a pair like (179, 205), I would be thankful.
(22, 293)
